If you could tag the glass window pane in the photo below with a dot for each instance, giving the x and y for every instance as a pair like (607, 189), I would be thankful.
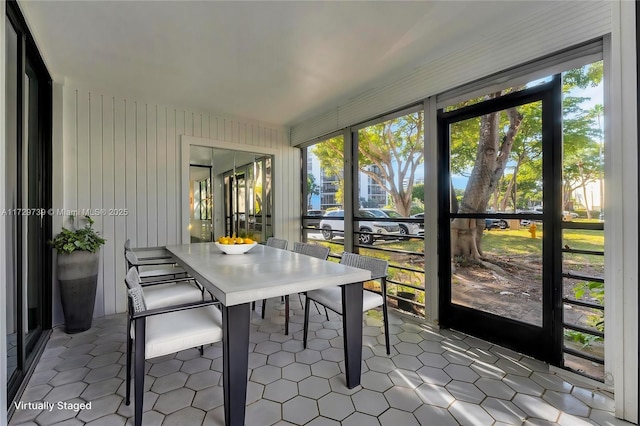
(583, 198)
(509, 282)
(496, 167)
(519, 187)
(11, 102)
(323, 219)
(390, 185)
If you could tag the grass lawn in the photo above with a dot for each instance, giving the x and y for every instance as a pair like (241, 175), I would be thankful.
(519, 242)
(506, 242)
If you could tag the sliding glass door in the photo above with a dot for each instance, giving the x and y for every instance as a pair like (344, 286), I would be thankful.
(28, 198)
(201, 206)
(248, 200)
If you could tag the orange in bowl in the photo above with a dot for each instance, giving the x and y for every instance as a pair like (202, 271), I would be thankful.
(235, 248)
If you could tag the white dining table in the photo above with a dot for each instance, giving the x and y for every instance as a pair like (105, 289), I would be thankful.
(261, 273)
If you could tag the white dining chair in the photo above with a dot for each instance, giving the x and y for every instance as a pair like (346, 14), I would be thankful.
(272, 242)
(153, 268)
(277, 243)
(148, 253)
(331, 297)
(163, 331)
(313, 250)
(162, 293)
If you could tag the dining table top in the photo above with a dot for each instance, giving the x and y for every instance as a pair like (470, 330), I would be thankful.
(261, 273)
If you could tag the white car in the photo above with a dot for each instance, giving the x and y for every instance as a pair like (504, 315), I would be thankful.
(332, 224)
(405, 228)
(567, 216)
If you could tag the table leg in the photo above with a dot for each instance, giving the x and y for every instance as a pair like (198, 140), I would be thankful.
(235, 352)
(352, 331)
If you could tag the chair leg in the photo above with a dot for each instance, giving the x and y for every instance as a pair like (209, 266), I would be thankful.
(201, 349)
(300, 298)
(286, 315)
(129, 350)
(326, 312)
(306, 322)
(385, 315)
(253, 305)
(140, 326)
(264, 307)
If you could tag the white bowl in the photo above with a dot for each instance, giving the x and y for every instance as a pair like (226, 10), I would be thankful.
(236, 248)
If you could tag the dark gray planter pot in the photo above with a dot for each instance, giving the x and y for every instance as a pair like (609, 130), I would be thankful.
(78, 278)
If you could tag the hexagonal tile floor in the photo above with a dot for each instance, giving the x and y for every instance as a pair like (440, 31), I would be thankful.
(432, 377)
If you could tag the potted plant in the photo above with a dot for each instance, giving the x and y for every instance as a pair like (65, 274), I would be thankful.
(77, 268)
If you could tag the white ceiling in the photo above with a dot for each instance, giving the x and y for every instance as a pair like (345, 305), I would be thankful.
(276, 62)
(222, 160)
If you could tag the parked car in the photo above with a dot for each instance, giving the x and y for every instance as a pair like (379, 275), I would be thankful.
(332, 224)
(405, 228)
(314, 220)
(490, 224)
(421, 224)
(535, 210)
(567, 216)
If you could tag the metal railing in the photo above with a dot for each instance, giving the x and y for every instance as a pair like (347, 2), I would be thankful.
(592, 307)
(395, 286)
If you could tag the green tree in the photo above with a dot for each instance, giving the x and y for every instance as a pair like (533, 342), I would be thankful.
(389, 153)
(582, 151)
(418, 192)
(330, 154)
(526, 149)
(495, 134)
(483, 147)
(312, 188)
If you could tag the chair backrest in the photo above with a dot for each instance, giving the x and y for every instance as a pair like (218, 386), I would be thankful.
(378, 267)
(313, 250)
(127, 248)
(277, 243)
(132, 280)
(132, 259)
(136, 300)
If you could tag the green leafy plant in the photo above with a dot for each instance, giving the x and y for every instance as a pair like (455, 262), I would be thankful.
(586, 340)
(595, 290)
(78, 239)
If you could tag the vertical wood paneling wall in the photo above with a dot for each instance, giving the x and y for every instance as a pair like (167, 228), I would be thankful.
(122, 153)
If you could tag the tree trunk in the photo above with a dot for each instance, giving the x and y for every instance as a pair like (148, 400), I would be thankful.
(510, 193)
(402, 200)
(583, 184)
(466, 233)
(453, 202)
(491, 158)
